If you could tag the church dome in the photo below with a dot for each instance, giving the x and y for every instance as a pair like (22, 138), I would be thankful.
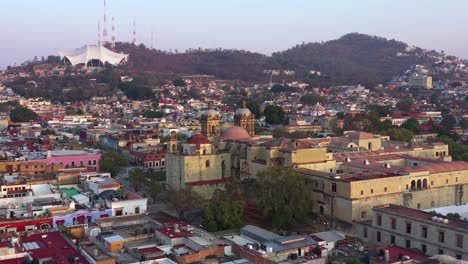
(243, 111)
(210, 112)
(235, 133)
(197, 140)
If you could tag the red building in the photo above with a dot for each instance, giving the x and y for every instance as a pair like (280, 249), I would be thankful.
(26, 225)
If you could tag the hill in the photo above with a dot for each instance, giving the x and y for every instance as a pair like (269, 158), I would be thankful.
(353, 58)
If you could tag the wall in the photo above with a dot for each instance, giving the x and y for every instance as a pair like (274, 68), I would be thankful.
(201, 255)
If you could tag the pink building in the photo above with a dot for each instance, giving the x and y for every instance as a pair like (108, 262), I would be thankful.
(72, 159)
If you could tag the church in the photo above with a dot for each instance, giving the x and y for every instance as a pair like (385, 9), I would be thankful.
(209, 160)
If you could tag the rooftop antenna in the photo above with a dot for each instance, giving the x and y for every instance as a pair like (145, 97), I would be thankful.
(104, 28)
(113, 33)
(134, 33)
(99, 33)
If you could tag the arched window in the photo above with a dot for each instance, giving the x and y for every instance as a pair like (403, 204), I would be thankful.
(437, 154)
(207, 164)
(425, 184)
(213, 130)
(413, 185)
(419, 186)
(369, 146)
(173, 148)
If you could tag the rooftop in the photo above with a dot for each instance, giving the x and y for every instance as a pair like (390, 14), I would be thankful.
(421, 215)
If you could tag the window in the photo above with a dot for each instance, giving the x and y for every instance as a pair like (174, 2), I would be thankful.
(333, 187)
(379, 219)
(441, 251)
(459, 241)
(408, 243)
(379, 238)
(362, 192)
(423, 248)
(441, 237)
(207, 164)
(424, 232)
(408, 228)
(363, 215)
(73, 164)
(392, 239)
(446, 181)
(385, 189)
(459, 256)
(365, 232)
(419, 206)
(432, 182)
(371, 190)
(456, 179)
(393, 225)
(89, 162)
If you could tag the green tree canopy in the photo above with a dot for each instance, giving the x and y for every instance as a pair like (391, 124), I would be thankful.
(405, 104)
(137, 178)
(412, 124)
(47, 132)
(399, 134)
(274, 114)
(113, 162)
(448, 121)
(184, 201)
(284, 197)
(312, 98)
(179, 82)
(224, 211)
(153, 114)
(22, 114)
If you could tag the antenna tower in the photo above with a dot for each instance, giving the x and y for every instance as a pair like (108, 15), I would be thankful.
(134, 33)
(104, 28)
(113, 33)
(99, 33)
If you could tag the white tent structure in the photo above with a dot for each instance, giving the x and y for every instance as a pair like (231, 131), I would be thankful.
(91, 54)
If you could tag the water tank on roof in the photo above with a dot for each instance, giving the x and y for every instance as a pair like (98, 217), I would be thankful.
(269, 249)
(445, 221)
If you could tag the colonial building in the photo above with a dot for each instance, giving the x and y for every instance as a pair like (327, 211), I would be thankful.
(412, 228)
(362, 180)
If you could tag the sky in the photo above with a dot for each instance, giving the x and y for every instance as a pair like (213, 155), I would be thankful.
(31, 28)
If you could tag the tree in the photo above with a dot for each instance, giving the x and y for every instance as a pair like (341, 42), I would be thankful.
(224, 210)
(137, 178)
(153, 114)
(274, 114)
(254, 107)
(22, 114)
(412, 124)
(113, 162)
(184, 201)
(154, 189)
(47, 132)
(284, 197)
(312, 99)
(399, 134)
(448, 122)
(464, 123)
(405, 104)
(179, 82)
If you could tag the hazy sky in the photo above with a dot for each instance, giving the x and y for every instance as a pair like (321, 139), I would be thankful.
(42, 27)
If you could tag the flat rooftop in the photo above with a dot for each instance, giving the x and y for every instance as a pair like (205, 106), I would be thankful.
(49, 245)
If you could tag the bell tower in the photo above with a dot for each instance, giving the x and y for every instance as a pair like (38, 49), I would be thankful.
(210, 123)
(245, 119)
